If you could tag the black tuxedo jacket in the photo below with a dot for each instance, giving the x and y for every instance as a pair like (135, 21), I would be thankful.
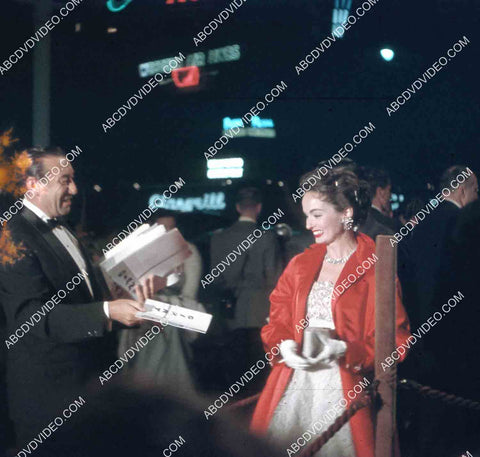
(430, 246)
(382, 219)
(53, 360)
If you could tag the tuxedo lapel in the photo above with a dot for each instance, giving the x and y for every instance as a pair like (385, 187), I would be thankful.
(57, 262)
(97, 289)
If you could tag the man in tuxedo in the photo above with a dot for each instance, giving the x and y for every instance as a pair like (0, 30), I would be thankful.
(430, 244)
(435, 280)
(250, 279)
(50, 361)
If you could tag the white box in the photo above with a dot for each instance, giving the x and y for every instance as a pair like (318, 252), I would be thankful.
(147, 251)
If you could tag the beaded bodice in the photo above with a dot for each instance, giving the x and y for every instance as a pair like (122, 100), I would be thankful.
(319, 305)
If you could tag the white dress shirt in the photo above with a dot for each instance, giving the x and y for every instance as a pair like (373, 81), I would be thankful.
(247, 219)
(454, 202)
(70, 243)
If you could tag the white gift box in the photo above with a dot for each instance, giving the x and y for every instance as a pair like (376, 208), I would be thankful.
(177, 316)
(149, 250)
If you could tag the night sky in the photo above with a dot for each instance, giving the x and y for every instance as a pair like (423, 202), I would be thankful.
(166, 134)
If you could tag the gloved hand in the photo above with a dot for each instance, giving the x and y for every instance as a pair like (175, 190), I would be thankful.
(288, 349)
(332, 350)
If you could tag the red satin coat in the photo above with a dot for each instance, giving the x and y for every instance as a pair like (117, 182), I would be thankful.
(354, 317)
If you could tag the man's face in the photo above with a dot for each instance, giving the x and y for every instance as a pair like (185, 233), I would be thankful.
(471, 190)
(54, 198)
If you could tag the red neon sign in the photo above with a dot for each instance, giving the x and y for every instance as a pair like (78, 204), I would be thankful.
(186, 76)
(171, 2)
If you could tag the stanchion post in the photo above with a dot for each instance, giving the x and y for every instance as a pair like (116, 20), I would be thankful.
(385, 273)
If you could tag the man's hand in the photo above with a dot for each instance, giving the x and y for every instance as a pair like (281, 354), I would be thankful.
(149, 286)
(124, 311)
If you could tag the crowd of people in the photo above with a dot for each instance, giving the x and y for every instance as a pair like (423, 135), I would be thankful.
(278, 294)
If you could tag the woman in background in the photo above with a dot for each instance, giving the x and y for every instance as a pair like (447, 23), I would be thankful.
(168, 359)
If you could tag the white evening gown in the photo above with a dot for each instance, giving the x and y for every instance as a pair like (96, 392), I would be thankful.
(310, 394)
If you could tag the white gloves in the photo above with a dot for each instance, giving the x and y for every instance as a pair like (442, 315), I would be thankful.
(288, 349)
(332, 350)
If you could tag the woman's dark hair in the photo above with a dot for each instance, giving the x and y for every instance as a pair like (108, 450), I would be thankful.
(342, 188)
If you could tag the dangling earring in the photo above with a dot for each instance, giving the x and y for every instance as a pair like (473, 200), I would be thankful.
(347, 223)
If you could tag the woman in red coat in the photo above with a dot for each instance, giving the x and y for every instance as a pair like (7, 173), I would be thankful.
(322, 321)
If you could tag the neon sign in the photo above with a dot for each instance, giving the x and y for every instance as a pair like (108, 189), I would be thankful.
(260, 128)
(256, 122)
(118, 5)
(228, 53)
(186, 76)
(210, 201)
(225, 168)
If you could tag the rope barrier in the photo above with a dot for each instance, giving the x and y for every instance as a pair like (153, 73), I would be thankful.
(245, 402)
(365, 400)
(435, 394)
(368, 396)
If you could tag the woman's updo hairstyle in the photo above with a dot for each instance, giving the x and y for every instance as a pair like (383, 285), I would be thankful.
(342, 188)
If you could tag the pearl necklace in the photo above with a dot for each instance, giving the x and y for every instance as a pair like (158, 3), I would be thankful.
(329, 259)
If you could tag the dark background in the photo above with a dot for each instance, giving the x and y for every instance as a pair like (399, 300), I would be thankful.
(165, 135)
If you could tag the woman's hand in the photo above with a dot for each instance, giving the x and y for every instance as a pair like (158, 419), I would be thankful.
(288, 349)
(332, 350)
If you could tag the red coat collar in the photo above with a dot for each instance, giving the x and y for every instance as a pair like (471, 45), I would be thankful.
(311, 260)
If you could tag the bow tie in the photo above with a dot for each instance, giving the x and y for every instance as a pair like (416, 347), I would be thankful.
(54, 222)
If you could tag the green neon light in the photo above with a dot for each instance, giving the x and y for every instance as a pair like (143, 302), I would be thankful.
(117, 5)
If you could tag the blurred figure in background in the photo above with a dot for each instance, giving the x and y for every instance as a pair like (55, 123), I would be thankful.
(248, 280)
(128, 418)
(435, 267)
(430, 243)
(381, 192)
(168, 359)
(191, 272)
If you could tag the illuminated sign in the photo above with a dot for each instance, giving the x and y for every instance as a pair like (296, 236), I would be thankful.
(210, 201)
(256, 122)
(225, 168)
(118, 5)
(186, 76)
(260, 128)
(229, 53)
(396, 200)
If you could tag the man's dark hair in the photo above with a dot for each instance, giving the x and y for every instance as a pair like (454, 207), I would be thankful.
(36, 155)
(450, 174)
(376, 177)
(248, 197)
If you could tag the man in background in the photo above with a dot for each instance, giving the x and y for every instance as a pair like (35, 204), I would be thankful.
(250, 279)
(437, 274)
(381, 192)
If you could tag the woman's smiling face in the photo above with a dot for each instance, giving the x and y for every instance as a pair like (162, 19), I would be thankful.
(323, 219)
